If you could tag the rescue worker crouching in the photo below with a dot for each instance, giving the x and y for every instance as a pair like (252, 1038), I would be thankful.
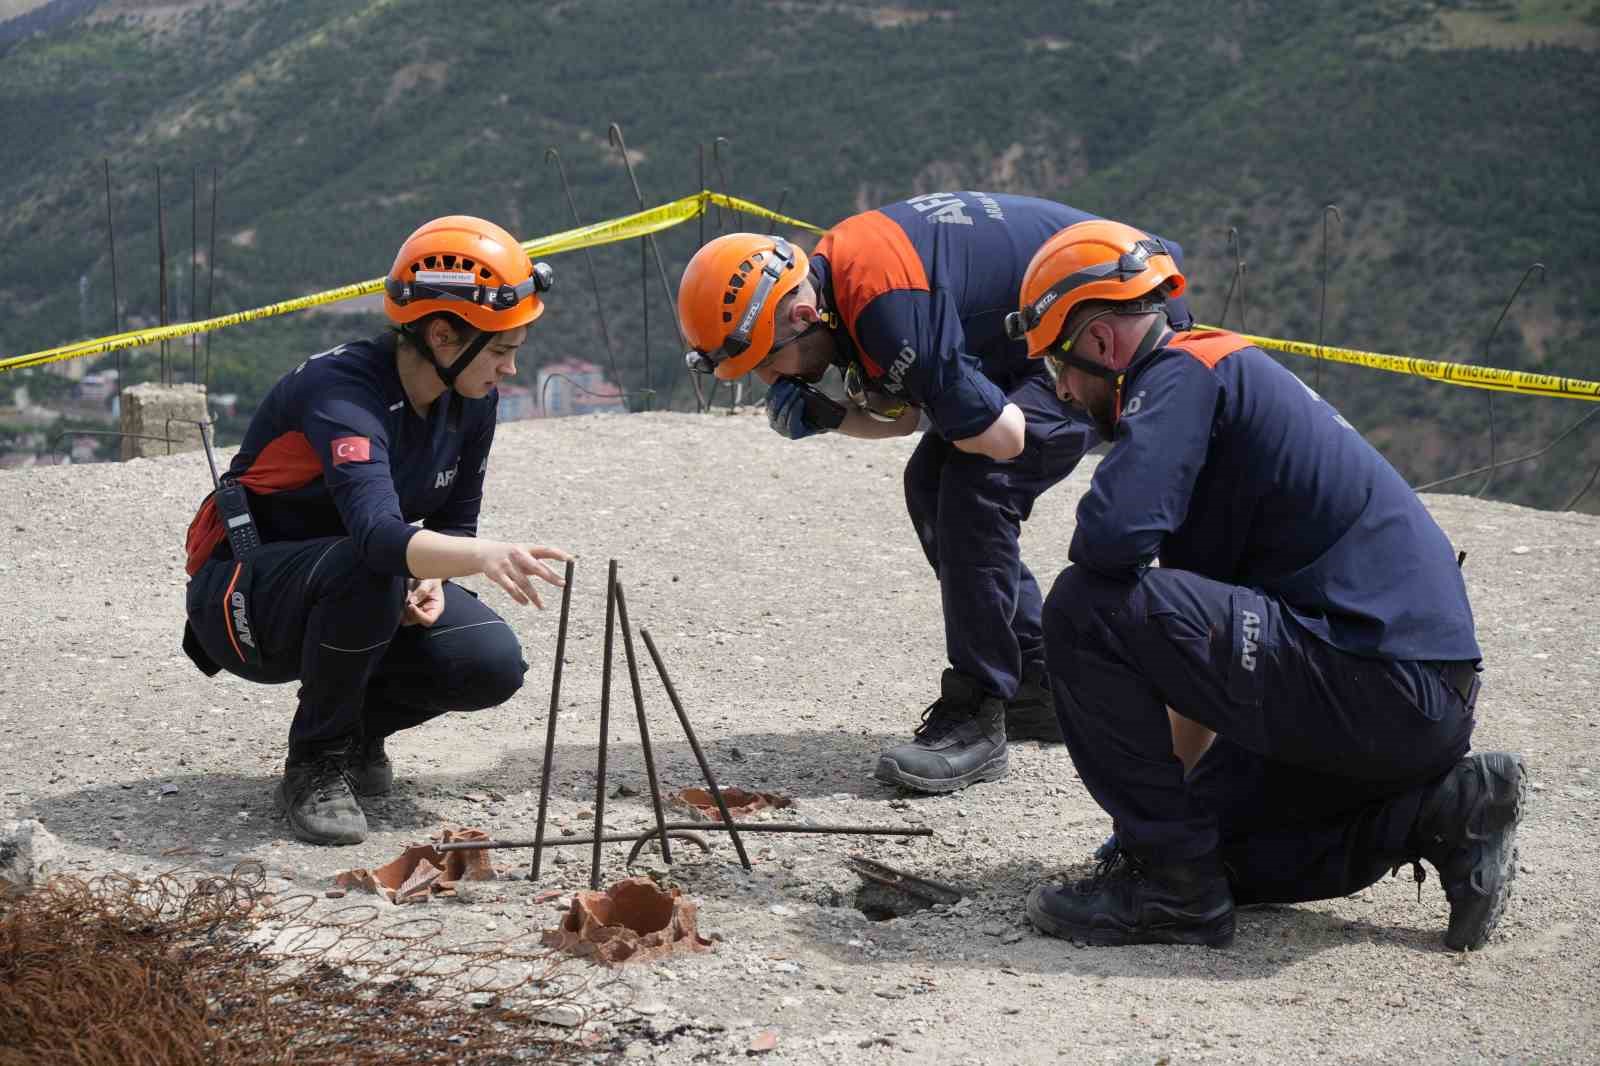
(344, 593)
(908, 302)
(1307, 611)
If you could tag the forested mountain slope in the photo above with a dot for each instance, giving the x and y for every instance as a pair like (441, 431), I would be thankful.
(1458, 140)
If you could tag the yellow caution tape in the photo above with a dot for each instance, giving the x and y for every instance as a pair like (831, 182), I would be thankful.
(1466, 374)
(628, 227)
(665, 216)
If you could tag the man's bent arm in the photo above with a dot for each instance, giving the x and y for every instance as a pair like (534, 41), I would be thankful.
(1004, 439)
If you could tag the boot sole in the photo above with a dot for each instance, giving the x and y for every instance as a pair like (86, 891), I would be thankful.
(1211, 931)
(1503, 814)
(889, 772)
(301, 832)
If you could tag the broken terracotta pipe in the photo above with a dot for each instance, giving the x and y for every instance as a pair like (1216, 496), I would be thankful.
(694, 745)
(740, 802)
(644, 726)
(605, 728)
(632, 921)
(550, 731)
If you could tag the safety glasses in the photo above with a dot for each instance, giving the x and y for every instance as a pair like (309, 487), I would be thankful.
(773, 266)
(1060, 358)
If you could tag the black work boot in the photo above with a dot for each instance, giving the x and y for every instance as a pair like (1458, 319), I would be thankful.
(315, 795)
(1467, 830)
(1129, 901)
(1031, 714)
(961, 741)
(371, 773)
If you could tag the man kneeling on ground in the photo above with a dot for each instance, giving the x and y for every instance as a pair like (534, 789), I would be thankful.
(1306, 609)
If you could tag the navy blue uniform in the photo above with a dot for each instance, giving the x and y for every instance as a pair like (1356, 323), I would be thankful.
(1306, 608)
(922, 288)
(337, 467)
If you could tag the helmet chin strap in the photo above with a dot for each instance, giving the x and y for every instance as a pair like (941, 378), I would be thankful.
(449, 374)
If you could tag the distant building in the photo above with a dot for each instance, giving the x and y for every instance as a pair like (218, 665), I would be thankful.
(97, 387)
(577, 387)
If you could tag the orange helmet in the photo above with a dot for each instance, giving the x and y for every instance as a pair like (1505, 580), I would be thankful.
(469, 267)
(1094, 260)
(729, 317)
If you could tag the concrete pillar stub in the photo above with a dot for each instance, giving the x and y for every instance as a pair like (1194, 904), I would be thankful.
(162, 411)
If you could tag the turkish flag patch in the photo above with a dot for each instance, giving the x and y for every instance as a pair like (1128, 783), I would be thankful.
(351, 450)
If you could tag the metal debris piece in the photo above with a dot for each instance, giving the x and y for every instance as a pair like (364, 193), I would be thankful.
(689, 835)
(889, 893)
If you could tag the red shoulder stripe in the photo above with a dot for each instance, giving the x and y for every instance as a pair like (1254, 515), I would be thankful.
(287, 463)
(1209, 346)
(870, 255)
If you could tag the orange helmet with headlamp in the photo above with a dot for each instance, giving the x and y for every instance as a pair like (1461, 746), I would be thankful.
(1095, 260)
(728, 300)
(469, 267)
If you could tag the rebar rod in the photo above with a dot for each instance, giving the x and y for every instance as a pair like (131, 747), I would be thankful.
(1489, 478)
(716, 160)
(211, 275)
(194, 268)
(116, 303)
(588, 258)
(1563, 435)
(703, 827)
(161, 256)
(694, 746)
(1322, 308)
(644, 726)
(615, 136)
(605, 726)
(550, 725)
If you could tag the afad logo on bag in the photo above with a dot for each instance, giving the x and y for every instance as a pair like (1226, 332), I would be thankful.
(351, 450)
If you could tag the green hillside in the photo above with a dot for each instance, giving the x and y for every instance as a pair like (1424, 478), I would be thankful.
(1457, 138)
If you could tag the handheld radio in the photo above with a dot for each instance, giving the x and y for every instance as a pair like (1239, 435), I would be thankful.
(233, 506)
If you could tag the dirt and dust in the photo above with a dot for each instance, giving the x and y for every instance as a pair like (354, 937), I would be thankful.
(802, 627)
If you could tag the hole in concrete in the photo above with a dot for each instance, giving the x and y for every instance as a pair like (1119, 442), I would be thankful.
(880, 903)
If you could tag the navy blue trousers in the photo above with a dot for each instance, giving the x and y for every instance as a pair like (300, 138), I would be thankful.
(319, 616)
(1321, 758)
(968, 511)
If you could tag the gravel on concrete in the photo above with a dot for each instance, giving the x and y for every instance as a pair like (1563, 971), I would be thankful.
(787, 592)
